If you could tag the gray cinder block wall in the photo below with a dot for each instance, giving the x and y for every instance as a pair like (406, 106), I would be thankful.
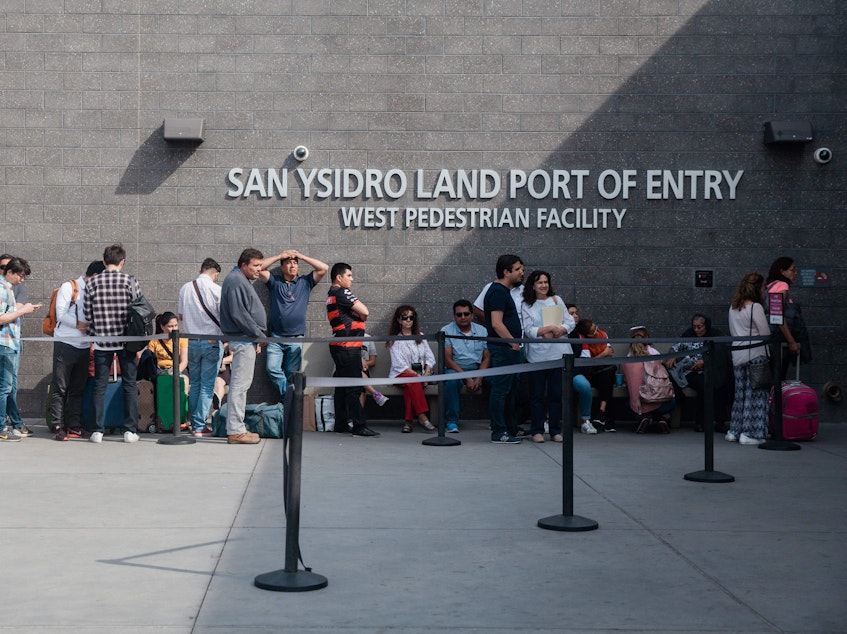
(429, 88)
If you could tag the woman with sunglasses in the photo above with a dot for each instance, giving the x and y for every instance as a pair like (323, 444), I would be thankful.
(410, 357)
(539, 300)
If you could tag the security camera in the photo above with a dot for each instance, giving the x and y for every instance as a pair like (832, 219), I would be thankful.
(301, 153)
(823, 155)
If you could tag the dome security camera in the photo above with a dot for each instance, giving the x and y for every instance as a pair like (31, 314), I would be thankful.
(301, 153)
(823, 155)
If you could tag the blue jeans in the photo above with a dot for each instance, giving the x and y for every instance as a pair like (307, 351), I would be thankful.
(582, 387)
(204, 359)
(283, 360)
(8, 384)
(102, 364)
(243, 365)
(501, 400)
(451, 395)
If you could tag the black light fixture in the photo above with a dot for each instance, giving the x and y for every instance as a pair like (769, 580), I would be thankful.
(788, 131)
(184, 130)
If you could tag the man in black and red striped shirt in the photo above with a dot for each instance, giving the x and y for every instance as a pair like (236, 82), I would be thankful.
(347, 317)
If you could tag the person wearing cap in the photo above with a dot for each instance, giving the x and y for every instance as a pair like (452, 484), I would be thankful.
(289, 299)
(70, 357)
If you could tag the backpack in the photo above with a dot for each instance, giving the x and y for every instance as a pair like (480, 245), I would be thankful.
(265, 419)
(48, 326)
(656, 387)
(139, 323)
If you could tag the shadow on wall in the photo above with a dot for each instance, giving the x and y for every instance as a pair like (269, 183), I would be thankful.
(152, 164)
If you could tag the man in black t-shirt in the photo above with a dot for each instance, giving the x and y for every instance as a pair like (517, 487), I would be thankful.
(502, 320)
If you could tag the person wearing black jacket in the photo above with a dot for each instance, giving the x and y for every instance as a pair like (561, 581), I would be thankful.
(687, 371)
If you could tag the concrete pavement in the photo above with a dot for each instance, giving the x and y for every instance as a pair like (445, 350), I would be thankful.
(412, 538)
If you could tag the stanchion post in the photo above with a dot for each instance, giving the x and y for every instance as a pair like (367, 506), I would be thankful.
(778, 443)
(290, 579)
(709, 474)
(176, 438)
(441, 440)
(567, 521)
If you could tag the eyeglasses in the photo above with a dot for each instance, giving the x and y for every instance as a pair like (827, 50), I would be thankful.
(407, 317)
(462, 314)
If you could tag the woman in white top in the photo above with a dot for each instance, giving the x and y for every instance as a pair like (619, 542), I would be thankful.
(539, 295)
(749, 421)
(410, 357)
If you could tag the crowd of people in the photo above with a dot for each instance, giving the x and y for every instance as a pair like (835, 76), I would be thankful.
(96, 305)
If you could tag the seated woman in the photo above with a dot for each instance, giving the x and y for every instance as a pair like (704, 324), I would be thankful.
(410, 358)
(600, 376)
(688, 371)
(653, 408)
(162, 349)
(541, 320)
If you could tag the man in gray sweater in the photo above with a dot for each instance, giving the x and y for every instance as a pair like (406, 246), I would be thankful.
(242, 315)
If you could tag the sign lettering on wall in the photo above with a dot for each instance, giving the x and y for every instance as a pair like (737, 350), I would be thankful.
(475, 190)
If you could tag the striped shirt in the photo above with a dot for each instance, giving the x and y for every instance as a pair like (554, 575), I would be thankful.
(107, 299)
(342, 319)
(10, 334)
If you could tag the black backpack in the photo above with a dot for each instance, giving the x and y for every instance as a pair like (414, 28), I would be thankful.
(139, 323)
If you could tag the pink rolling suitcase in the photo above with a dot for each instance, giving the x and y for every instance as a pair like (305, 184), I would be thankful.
(799, 410)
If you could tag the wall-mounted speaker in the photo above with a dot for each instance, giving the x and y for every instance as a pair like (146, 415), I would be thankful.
(184, 130)
(788, 132)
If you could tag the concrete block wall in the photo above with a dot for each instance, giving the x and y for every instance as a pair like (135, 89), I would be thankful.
(427, 85)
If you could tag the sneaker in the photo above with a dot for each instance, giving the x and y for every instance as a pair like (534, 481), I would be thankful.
(520, 432)
(245, 438)
(130, 436)
(380, 399)
(96, 436)
(7, 435)
(344, 428)
(77, 432)
(427, 425)
(587, 428)
(505, 439)
(61, 435)
(452, 428)
(730, 437)
(365, 432)
(23, 432)
(202, 433)
(744, 439)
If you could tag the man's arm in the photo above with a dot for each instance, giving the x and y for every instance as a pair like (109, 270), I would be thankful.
(448, 360)
(500, 328)
(319, 269)
(360, 310)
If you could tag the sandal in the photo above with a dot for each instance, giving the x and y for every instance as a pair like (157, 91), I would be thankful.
(427, 425)
(407, 428)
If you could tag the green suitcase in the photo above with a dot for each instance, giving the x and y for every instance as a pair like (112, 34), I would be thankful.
(165, 400)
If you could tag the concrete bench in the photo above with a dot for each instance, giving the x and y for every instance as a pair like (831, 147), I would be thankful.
(318, 362)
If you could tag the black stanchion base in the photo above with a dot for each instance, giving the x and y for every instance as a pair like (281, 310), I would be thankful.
(709, 476)
(569, 523)
(298, 581)
(177, 440)
(780, 445)
(442, 441)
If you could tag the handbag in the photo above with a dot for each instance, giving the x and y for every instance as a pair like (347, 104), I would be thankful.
(656, 387)
(761, 377)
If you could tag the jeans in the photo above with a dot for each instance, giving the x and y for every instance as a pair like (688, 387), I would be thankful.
(8, 383)
(102, 364)
(204, 359)
(582, 387)
(348, 364)
(70, 373)
(283, 360)
(549, 383)
(243, 365)
(451, 395)
(501, 400)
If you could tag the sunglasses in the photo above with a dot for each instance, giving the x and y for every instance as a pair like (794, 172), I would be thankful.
(407, 317)
(462, 314)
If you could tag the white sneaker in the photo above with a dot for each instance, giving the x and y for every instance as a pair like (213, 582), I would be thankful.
(730, 437)
(380, 399)
(744, 439)
(587, 428)
(96, 436)
(130, 436)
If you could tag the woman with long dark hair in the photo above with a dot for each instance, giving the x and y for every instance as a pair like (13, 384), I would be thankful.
(749, 421)
(538, 295)
(410, 357)
(781, 276)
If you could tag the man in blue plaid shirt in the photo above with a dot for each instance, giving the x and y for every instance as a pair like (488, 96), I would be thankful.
(107, 299)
